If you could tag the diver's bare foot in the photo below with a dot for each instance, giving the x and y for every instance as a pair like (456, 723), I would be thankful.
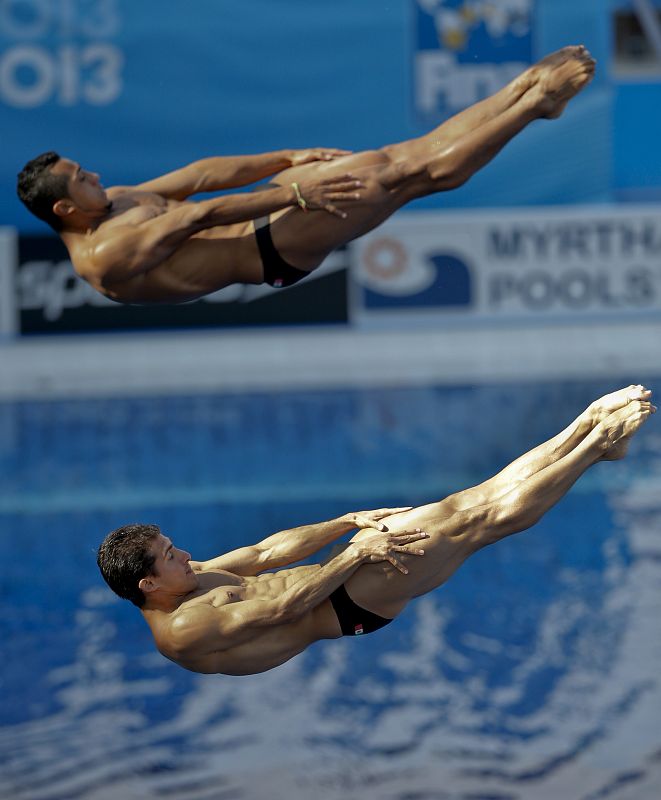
(527, 79)
(606, 405)
(561, 78)
(614, 433)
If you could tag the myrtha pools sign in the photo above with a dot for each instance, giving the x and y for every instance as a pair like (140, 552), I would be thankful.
(545, 264)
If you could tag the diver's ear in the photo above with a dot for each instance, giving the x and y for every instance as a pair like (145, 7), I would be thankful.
(147, 585)
(63, 207)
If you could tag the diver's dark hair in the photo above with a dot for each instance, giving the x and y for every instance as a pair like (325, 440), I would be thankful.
(39, 189)
(124, 558)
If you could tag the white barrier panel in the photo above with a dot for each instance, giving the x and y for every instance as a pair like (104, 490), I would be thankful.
(520, 265)
(8, 262)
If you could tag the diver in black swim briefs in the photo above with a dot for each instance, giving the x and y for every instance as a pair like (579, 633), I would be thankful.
(233, 615)
(149, 243)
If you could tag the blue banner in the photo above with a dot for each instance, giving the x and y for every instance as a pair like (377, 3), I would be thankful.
(465, 52)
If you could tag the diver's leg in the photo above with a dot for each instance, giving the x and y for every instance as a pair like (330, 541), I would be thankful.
(448, 156)
(397, 174)
(455, 535)
(485, 110)
(548, 452)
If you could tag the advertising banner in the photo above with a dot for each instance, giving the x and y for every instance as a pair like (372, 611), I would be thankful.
(467, 51)
(51, 298)
(522, 265)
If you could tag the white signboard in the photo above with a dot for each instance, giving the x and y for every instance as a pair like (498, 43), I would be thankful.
(569, 263)
(8, 262)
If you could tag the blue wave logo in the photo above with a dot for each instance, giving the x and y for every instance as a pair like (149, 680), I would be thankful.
(442, 280)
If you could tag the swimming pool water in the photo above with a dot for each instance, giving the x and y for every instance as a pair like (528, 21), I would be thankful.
(532, 673)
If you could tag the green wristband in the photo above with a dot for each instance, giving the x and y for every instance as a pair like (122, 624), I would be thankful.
(299, 197)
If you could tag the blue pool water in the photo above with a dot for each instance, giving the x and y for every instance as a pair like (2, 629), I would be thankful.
(532, 673)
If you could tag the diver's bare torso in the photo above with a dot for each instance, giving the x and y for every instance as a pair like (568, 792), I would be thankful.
(268, 648)
(207, 261)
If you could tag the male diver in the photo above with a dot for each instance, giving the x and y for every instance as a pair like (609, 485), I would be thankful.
(229, 615)
(149, 244)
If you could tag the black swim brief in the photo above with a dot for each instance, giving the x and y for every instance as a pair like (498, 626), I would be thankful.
(353, 619)
(277, 272)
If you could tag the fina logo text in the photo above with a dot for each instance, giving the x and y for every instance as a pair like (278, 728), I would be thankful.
(466, 50)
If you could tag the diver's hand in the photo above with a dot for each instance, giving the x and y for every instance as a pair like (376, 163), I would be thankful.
(388, 546)
(314, 194)
(371, 519)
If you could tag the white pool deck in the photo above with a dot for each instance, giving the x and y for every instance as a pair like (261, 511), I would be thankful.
(190, 362)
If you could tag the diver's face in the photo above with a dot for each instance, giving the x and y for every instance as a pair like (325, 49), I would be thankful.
(171, 571)
(85, 190)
